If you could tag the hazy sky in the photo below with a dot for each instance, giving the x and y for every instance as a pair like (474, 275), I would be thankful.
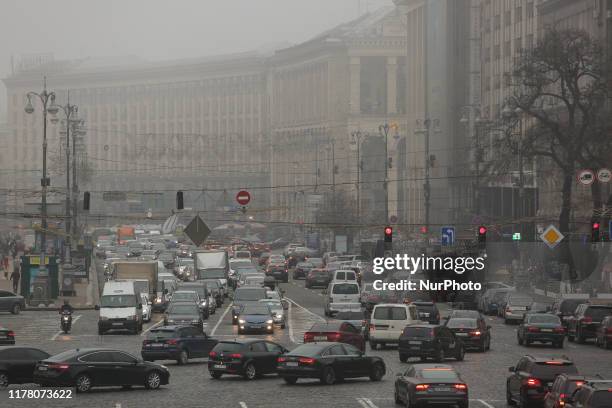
(161, 29)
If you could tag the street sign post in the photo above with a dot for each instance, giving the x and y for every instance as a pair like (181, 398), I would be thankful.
(197, 230)
(243, 197)
(586, 177)
(551, 236)
(448, 236)
(604, 175)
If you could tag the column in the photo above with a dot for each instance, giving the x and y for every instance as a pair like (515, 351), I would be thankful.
(391, 85)
(355, 85)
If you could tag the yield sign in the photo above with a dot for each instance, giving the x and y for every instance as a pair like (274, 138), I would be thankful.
(197, 231)
(552, 236)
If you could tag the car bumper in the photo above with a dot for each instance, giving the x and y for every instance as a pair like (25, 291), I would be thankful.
(443, 400)
(123, 325)
(256, 328)
(386, 336)
(225, 367)
(545, 337)
(302, 372)
(341, 307)
(52, 378)
(7, 341)
(517, 315)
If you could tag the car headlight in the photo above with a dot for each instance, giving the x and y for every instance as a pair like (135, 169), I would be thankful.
(158, 300)
(269, 321)
(242, 321)
(169, 321)
(195, 321)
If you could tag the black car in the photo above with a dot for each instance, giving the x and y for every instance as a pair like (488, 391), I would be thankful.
(585, 321)
(431, 384)
(565, 308)
(429, 341)
(317, 278)
(592, 394)
(562, 389)
(329, 362)
(184, 313)
(533, 377)
(428, 312)
(11, 302)
(301, 270)
(603, 336)
(278, 272)
(473, 332)
(359, 319)
(87, 368)
(541, 327)
(7, 336)
(178, 343)
(250, 358)
(17, 364)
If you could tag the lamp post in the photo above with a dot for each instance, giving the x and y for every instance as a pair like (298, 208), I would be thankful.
(356, 141)
(384, 132)
(426, 125)
(476, 123)
(47, 100)
(69, 111)
(77, 130)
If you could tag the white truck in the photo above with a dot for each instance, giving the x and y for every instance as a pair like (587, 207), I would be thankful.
(212, 264)
(138, 271)
(120, 308)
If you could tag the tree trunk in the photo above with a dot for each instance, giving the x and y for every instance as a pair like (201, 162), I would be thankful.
(565, 253)
(597, 198)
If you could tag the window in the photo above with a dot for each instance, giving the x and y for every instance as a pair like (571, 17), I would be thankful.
(259, 347)
(337, 351)
(98, 357)
(507, 18)
(347, 327)
(351, 350)
(124, 358)
(273, 348)
(34, 354)
(189, 332)
(518, 14)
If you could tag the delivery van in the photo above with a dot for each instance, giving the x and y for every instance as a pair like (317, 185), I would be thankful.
(388, 320)
(120, 308)
(341, 296)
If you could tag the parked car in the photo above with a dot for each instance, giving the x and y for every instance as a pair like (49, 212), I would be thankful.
(17, 364)
(7, 336)
(338, 331)
(249, 358)
(387, 322)
(179, 343)
(11, 302)
(533, 377)
(429, 341)
(435, 384)
(585, 321)
(604, 333)
(562, 389)
(317, 278)
(88, 367)
(473, 332)
(541, 327)
(329, 362)
(428, 312)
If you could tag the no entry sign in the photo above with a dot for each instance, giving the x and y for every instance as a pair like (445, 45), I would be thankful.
(243, 197)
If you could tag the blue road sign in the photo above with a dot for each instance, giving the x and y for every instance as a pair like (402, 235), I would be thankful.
(448, 235)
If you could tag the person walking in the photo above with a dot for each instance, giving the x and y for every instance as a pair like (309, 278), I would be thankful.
(15, 277)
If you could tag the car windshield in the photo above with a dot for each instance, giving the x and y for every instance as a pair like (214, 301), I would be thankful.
(272, 304)
(252, 294)
(183, 309)
(439, 374)
(118, 301)
(549, 371)
(462, 323)
(345, 289)
(160, 334)
(543, 318)
(598, 313)
(307, 350)
(183, 296)
(211, 273)
(569, 305)
(228, 347)
(418, 332)
(389, 313)
(349, 316)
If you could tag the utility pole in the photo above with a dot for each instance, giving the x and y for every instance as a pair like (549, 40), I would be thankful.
(428, 161)
(384, 132)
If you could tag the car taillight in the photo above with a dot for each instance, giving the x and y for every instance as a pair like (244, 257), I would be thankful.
(281, 359)
(559, 330)
(59, 367)
(308, 337)
(587, 319)
(533, 329)
(212, 354)
(11, 334)
(306, 360)
(172, 342)
(475, 333)
(461, 387)
(235, 355)
(533, 382)
(422, 387)
(334, 336)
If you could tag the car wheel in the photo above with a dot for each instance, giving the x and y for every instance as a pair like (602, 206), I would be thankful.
(183, 358)
(440, 355)
(16, 309)
(520, 340)
(4, 380)
(377, 372)
(460, 353)
(329, 376)
(290, 380)
(509, 399)
(580, 337)
(403, 358)
(373, 345)
(83, 383)
(250, 372)
(215, 375)
(489, 343)
(153, 380)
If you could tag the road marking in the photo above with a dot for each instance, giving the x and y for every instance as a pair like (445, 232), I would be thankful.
(486, 404)
(243, 404)
(302, 307)
(117, 405)
(212, 333)
(144, 332)
(290, 316)
(56, 335)
(366, 403)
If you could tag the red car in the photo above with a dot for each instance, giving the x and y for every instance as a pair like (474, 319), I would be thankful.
(343, 332)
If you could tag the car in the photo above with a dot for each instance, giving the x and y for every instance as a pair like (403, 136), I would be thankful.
(603, 336)
(428, 312)
(90, 367)
(429, 341)
(17, 364)
(249, 358)
(592, 394)
(242, 255)
(473, 314)
(336, 331)
(330, 362)
(216, 290)
(587, 317)
(207, 303)
(387, 322)
(187, 313)
(341, 296)
(179, 343)
(254, 280)
(357, 318)
(491, 299)
(263, 258)
(244, 295)
(562, 389)
(317, 278)
(11, 302)
(540, 307)
(278, 311)
(343, 275)
(181, 296)
(255, 317)
(301, 270)
(435, 384)
(565, 307)
(279, 272)
(533, 377)
(541, 327)
(7, 336)
(473, 332)
(274, 294)
(515, 307)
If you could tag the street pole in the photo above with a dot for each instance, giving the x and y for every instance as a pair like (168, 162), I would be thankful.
(384, 132)
(427, 190)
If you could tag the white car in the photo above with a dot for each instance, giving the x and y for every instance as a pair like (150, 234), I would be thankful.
(146, 307)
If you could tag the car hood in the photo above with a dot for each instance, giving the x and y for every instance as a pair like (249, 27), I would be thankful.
(256, 318)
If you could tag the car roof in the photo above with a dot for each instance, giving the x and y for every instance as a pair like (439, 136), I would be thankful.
(242, 341)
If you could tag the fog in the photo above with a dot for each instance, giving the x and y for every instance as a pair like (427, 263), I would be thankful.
(161, 29)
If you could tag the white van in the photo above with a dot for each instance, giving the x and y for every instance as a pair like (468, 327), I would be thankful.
(344, 275)
(388, 321)
(120, 308)
(341, 296)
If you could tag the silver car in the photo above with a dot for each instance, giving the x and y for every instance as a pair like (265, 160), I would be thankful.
(278, 311)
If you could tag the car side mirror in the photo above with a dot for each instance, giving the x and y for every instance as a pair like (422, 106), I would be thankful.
(511, 369)
(97, 307)
(139, 306)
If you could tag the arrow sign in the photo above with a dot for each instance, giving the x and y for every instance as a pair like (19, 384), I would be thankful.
(197, 231)
(448, 235)
(243, 197)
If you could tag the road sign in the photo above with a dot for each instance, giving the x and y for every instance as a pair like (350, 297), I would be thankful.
(243, 197)
(551, 236)
(448, 235)
(604, 175)
(170, 224)
(197, 230)
(393, 219)
(586, 177)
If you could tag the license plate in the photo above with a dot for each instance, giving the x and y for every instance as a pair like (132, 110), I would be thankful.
(415, 342)
(443, 389)
(424, 314)
(117, 324)
(220, 366)
(549, 384)
(157, 344)
(292, 364)
(345, 300)
(462, 334)
(320, 338)
(42, 368)
(547, 330)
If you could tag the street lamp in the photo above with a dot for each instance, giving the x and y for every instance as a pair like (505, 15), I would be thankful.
(384, 132)
(69, 111)
(356, 141)
(47, 99)
(423, 127)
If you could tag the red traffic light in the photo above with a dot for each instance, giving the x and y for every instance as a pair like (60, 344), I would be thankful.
(388, 231)
(424, 230)
(482, 230)
(596, 225)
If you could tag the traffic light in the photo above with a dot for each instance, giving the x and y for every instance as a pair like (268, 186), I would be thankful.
(179, 200)
(595, 227)
(482, 237)
(86, 198)
(388, 234)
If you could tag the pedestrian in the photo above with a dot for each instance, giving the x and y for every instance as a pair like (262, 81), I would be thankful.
(15, 277)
